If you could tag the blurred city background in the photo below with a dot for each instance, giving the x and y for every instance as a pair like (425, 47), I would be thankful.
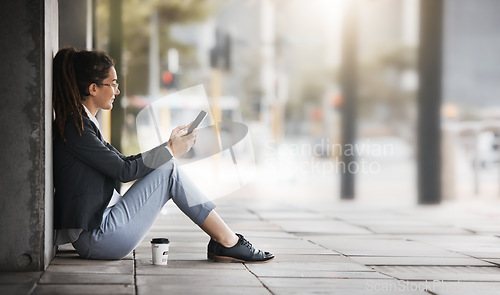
(276, 66)
(380, 102)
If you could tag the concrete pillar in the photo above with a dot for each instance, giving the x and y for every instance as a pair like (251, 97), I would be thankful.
(115, 51)
(75, 19)
(429, 102)
(29, 36)
(349, 96)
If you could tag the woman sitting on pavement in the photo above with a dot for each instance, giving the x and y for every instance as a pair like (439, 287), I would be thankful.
(89, 211)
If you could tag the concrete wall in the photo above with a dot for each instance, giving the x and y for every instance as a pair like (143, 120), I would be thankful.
(29, 34)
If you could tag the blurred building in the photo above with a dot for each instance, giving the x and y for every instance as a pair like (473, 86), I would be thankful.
(471, 70)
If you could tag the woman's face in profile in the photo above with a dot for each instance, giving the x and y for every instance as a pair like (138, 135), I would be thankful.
(105, 93)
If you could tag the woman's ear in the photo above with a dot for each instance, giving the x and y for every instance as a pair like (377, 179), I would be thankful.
(93, 89)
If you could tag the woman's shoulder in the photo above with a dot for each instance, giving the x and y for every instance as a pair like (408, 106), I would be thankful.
(70, 120)
(72, 126)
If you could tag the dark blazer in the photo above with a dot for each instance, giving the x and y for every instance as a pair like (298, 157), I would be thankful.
(87, 169)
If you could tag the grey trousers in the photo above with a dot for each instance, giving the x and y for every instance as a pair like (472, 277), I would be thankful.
(126, 223)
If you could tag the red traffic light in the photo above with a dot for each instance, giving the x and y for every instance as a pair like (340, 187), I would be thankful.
(167, 77)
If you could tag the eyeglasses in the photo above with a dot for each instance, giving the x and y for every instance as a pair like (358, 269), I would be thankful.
(114, 85)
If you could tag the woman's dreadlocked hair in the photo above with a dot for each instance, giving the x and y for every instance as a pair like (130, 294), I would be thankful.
(74, 71)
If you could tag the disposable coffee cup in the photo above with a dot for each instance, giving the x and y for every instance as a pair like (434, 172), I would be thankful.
(159, 248)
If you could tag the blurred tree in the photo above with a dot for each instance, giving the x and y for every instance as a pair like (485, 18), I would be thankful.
(308, 90)
(136, 33)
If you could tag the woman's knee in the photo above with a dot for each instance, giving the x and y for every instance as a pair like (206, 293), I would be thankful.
(167, 169)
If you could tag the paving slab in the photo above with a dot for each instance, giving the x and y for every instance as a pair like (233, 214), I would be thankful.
(196, 290)
(83, 278)
(233, 280)
(446, 273)
(461, 243)
(68, 254)
(58, 260)
(76, 257)
(19, 277)
(267, 205)
(410, 229)
(464, 288)
(340, 264)
(384, 220)
(84, 289)
(385, 247)
(483, 228)
(359, 238)
(438, 261)
(166, 271)
(327, 258)
(190, 264)
(296, 215)
(87, 268)
(305, 251)
(238, 216)
(495, 261)
(337, 286)
(283, 273)
(15, 289)
(319, 226)
(242, 227)
(482, 254)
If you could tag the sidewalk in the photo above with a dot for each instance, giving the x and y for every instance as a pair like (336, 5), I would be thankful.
(325, 248)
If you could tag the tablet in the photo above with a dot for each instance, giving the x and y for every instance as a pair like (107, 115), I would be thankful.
(197, 121)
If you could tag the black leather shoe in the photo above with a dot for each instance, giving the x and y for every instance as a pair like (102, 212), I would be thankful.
(243, 251)
(211, 249)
